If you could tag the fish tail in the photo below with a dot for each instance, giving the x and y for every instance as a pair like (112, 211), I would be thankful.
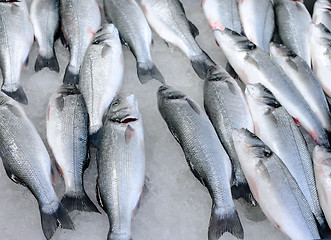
(70, 77)
(221, 222)
(50, 221)
(148, 71)
(242, 190)
(202, 64)
(43, 62)
(18, 95)
(80, 202)
(95, 138)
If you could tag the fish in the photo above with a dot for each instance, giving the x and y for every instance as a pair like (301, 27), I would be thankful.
(277, 129)
(258, 20)
(293, 19)
(304, 80)
(322, 13)
(205, 156)
(16, 39)
(320, 41)
(227, 109)
(67, 136)
(45, 20)
(27, 162)
(274, 188)
(79, 22)
(135, 32)
(253, 65)
(322, 164)
(121, 165)
(167, 18)
(101, 76)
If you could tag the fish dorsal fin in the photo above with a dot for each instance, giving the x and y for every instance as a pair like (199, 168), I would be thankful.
(193, 105)
(194, 30)
(249, 59)
(129, 133)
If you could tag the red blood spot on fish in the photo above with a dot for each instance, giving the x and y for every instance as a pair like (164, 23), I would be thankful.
(91, 33)
(48, 110)
(278, 226)
(217, 43)
(314, 135)
(329, 9)
(297, 121)
(203, 3)
(320, 170)
(143, 7)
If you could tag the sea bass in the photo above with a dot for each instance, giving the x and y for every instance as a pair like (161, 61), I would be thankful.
(27, 162)
(168, 19)
(227, 109)
(322, 13)
(101, 76)
(16, 38)
(304, 80)
(277, 129)
(293, 19)
(121, 165)
(80, 20)
(258, 20)
(275, 189)
(67, 134)
(130, 21)
(45, 20)
(205, 156)
(253, 65)
(320, 41)
(322, 168)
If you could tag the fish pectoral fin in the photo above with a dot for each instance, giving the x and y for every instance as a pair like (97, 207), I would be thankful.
(59, 102)
(193, 106)
(14, 110)
(105, 50)
(129, 133)
(194, 30)
(124, 42)
(15, 8)
(99, 198)
(12, 176)
(249, 59)
(262, 170)
(292, 64)
(196, 174)
(87, 160)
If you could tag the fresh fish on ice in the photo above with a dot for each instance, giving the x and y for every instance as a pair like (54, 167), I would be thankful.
(101, 76)
(45, 20)
(121, 165)
(130, 21)
(67, 134)
(322, 13)
(253, 65)
(274, 188)
(205, 156)
(27, 162)
(16, 38)
(168, 20)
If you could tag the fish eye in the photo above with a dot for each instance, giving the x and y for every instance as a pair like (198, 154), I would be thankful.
(266, 152)
(115, 103)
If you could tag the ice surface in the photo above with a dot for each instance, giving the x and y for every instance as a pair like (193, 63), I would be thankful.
(175, 206)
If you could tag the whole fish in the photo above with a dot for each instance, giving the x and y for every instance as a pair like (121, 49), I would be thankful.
(16, 38)
(320, 40)
(275, 189)
(322, 168)
(79, 21)
(101, 76)
(130, 21)
(322, 13)
(27, 162)
(121, 165)
(258, 20)
(67, 134)
(227, 109)
(205, 156)
(277, 129)
(304, 80)
(168, 20)
(293, 19)
(253, 65)
(45, 20)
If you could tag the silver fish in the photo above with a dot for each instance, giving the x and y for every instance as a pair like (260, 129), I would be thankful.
(304, 80)
(277, 129)
(253, 65)
(320, 41)
(80, 20)
(168, 20)
(67, 134)
(16, 38)
(322, 168)
(101, 76)
(45, 20)
(130, 21)
(275, 189)
(227, 109)
(205, 155)
(322, 13)
(121, 165)
(27, 162)
(293, 19)
(258, 20)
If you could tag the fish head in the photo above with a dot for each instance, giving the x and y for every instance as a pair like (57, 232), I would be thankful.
(67, 89)
(124, 109)
(323, 5)
(106, 34)
(167, 93)
(320, 30)
(217, 74)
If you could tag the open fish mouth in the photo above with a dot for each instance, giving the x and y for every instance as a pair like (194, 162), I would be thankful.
(128, 120)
